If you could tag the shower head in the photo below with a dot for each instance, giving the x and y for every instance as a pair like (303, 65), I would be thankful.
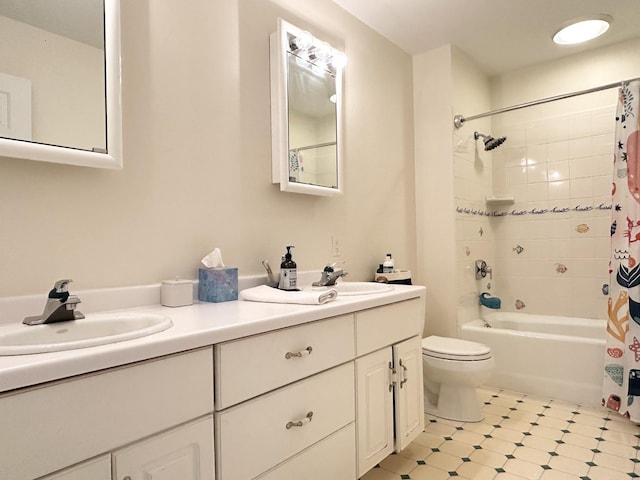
(489, 142)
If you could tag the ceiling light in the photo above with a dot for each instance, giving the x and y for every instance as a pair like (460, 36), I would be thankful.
(582, 30)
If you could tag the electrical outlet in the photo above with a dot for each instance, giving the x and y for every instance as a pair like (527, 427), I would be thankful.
(336, 246)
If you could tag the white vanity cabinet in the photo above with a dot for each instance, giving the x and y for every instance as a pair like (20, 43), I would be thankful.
(322, 399)
(390, 410)
(57, 425)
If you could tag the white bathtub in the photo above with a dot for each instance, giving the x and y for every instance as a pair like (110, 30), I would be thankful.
(553, 357)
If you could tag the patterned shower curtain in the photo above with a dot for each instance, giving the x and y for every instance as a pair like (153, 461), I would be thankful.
(621, 385)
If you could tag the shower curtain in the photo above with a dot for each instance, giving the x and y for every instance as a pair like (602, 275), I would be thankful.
(621, 384)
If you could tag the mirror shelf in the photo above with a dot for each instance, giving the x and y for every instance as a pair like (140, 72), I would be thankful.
(306, 112)
(109, 157)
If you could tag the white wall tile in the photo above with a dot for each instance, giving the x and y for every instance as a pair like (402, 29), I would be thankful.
(580, 147)
(537, 173)
(581, 188)
(580, 125)
(557, 151)
(581, 167)
(559, 190)
(558, 170)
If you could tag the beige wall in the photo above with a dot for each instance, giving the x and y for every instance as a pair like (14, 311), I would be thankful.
(197, 159)
(434, 187)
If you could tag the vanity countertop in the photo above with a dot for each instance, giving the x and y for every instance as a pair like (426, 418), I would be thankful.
(194, 326)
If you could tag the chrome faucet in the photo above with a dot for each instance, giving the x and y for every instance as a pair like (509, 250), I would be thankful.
(60, 306)
(329, 276)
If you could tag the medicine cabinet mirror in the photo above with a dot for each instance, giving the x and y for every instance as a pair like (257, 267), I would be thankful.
(60, 98)
(306, 112)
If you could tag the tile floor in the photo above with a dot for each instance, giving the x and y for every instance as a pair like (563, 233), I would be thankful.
(521, 437)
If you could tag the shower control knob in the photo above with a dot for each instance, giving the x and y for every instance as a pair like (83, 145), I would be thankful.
(482, 269)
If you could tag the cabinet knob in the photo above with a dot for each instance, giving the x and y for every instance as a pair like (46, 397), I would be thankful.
(128, 477)
(300, 423)
(301, 353)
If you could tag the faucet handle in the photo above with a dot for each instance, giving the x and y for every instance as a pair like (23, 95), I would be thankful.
(61, 285)
(60, 290)
(332, 265)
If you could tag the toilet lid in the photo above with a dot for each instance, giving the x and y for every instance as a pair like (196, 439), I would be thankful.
(454, 349)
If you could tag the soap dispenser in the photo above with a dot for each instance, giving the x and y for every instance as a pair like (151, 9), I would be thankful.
(387, 266)
(288, 272)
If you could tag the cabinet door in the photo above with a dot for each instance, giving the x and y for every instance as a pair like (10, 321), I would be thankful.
(374, 409)
(184, 453)
(409, 394)
(96, 469)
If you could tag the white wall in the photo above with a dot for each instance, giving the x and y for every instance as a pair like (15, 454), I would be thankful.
(197, 159)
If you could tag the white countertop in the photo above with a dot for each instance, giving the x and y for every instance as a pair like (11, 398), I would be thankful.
(194, 326)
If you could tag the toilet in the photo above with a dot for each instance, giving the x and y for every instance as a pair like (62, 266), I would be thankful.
(453, 369)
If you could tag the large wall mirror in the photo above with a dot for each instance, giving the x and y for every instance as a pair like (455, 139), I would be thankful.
(306, 112)
(60, 98)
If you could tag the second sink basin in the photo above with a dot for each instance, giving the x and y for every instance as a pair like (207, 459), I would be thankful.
(359, 288)
(95, 329)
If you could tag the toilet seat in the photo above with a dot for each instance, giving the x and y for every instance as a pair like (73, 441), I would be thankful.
(455, 349)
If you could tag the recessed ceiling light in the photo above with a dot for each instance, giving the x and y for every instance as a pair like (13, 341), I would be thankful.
(583, 30)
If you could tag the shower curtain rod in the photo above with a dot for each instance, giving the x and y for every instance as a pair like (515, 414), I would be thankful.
(459, 120)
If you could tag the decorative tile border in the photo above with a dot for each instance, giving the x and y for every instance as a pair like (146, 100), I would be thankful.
(533, 211)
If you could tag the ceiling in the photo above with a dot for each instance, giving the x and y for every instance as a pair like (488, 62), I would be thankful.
(500, 35)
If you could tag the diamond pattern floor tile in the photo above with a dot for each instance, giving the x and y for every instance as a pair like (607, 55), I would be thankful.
(521, 438)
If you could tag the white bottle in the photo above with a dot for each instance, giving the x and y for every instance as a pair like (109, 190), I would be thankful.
(387, 266)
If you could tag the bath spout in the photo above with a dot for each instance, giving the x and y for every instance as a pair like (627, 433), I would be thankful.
(490, 302)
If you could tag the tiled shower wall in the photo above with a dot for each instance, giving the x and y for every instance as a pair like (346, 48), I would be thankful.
(551, 245)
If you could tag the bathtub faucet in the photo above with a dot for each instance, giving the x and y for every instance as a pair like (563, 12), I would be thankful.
(482, 269)
(490, 302)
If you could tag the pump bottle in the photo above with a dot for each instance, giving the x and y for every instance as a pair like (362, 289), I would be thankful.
(387, 266)
(288, 272)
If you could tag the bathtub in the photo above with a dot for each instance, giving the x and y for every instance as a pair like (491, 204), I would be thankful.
(554, 357)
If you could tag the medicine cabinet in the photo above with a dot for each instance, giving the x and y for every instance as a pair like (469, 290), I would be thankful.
(306, 112)
(60, 87)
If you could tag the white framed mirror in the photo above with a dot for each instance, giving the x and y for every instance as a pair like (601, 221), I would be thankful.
(306, 112)
(60, 83)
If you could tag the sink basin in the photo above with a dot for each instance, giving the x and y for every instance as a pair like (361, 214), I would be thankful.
(359, 288)
(96, 329)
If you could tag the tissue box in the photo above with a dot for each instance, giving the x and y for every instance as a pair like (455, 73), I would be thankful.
(217, 284)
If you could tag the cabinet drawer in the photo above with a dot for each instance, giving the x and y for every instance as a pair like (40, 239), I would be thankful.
(383, 326)
(332, 458)
(253, 437)
(251, 366)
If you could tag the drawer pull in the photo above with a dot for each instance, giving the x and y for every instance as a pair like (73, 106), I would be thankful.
(301, 353)
(300, 423)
